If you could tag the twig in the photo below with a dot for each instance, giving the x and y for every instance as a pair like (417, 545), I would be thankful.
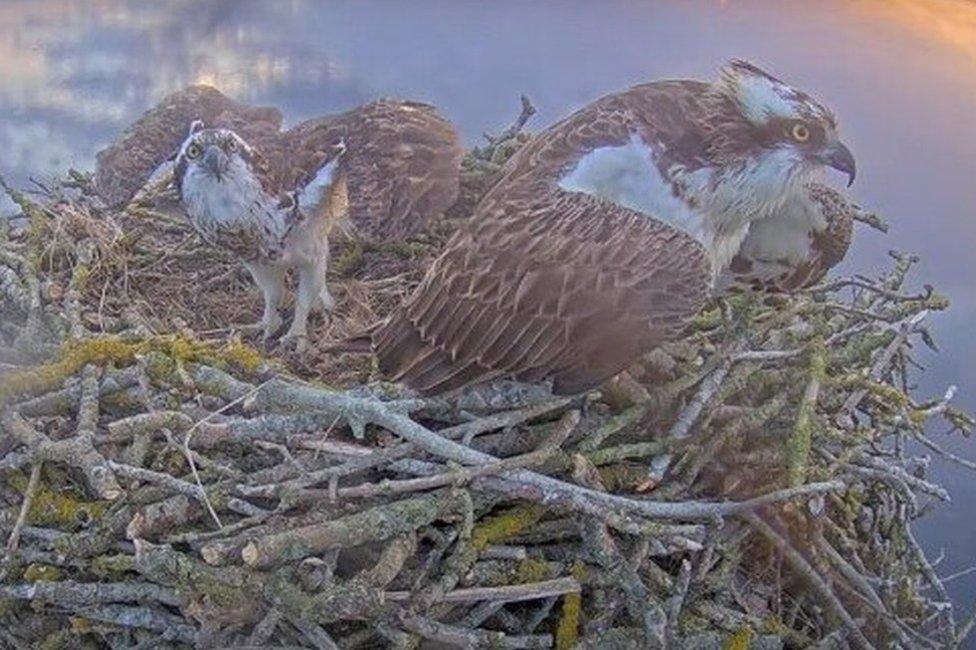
(801, 566)
(378, 523)
(29, 492)
(528, 110)
(77, 452)
(465, 638)
(506, 594)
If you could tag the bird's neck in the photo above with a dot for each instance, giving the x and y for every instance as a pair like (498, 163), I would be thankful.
(235, 200)
(738, 194)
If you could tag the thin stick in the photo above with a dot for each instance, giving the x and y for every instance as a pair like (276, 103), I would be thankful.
(32, 484)
(801, 566)
(189, 453)
(506, 594)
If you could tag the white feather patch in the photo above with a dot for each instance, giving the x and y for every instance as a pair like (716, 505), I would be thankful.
(312, 195)
(785, 236)
(627, 176)
(761, 98)
(730, 198)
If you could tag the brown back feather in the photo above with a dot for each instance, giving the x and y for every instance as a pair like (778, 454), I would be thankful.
(548, 284)
(403, 163)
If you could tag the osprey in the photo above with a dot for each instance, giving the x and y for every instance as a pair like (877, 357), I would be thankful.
(272, 197)
(123, 168)
(606, 233)
(232, 202)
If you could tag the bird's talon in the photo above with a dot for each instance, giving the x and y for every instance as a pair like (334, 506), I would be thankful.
(297, 343)
(259, 332)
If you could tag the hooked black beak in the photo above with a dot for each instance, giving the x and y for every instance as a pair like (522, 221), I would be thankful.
(215, 161)
(840, 158)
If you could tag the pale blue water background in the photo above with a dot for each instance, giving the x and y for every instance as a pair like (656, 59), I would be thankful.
(901, 75)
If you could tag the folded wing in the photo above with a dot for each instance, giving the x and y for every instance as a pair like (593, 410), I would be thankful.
(568, 287)
(403, 163)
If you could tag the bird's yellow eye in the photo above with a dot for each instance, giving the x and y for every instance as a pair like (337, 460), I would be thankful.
(800, 132)
(192, 151)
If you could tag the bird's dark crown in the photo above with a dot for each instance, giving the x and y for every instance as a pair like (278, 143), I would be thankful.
(750, 110)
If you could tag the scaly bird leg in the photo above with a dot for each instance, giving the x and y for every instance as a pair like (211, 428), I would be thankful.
(311, 290)
(271, 281)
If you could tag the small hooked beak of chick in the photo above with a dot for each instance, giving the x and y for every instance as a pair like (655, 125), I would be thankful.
(216, 161)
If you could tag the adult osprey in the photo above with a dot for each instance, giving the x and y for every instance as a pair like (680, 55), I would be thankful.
(605, 234)
(271, 197)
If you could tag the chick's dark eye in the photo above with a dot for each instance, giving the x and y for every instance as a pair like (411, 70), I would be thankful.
(192, 151)
(800, 132)
(231, 146)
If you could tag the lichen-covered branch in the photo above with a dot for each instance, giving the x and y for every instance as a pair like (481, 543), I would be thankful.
(749, 484)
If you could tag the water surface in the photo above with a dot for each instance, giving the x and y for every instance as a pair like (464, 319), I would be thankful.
(900, 74)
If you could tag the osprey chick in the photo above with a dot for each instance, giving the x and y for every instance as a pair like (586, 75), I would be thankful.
(605, 234)
(230, 201)
(270, 195)
(403, 164)
(794, 248)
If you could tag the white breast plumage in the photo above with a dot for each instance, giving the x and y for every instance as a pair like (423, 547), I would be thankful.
(234, 204)
(785, 236)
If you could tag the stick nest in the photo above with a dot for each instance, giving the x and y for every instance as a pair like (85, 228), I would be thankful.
(165, 484)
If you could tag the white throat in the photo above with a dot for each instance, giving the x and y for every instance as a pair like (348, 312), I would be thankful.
(235, 202)
(713, 205)
(737, 198)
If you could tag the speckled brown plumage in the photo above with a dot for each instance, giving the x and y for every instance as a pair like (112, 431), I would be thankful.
(827, 248)
(402, 163)
(548, 284)
(122, 168)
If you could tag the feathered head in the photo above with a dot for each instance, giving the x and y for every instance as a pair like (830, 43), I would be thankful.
(752, 112)
(216, 154)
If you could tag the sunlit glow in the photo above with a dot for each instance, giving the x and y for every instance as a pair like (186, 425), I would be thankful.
(64, 57)
(949, 22)
(236, 59)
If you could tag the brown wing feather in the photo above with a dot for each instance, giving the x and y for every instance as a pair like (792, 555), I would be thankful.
(576, 300)
(830, 246)
(402, 161)
(122, 168)
(543, 283)
(669, 112)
